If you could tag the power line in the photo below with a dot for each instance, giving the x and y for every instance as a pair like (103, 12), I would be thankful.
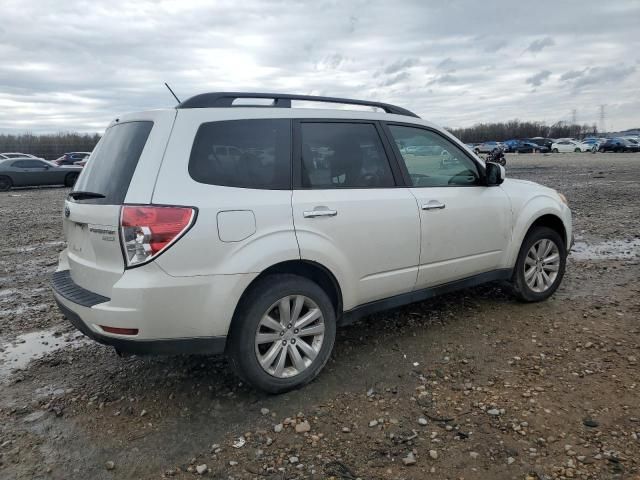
(602, 119)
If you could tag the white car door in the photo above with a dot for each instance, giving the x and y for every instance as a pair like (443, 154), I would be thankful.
(465, 224)
(350, 215)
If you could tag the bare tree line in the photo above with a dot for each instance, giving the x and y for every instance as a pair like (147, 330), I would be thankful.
(49, 146)
(515, 129)
(52, 146)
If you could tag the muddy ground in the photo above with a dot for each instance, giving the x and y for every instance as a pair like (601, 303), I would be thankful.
(471, 385)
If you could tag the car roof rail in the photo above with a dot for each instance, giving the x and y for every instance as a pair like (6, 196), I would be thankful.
(280, 100)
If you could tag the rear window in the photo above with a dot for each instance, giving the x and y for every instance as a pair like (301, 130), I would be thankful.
(243, 153)
(114, 161)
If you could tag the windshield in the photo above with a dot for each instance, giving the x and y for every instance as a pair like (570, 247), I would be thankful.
(113, 162)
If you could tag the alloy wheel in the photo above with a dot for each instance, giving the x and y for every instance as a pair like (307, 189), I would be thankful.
(289, 336)
(541, 265)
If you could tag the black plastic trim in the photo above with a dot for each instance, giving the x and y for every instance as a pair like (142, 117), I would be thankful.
(424, 294)
(177, 346)
(281, 100)
(64, 286)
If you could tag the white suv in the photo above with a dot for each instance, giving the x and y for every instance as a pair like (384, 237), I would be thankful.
(257, 230)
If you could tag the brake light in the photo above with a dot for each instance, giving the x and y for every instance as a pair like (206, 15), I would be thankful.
(148, 230)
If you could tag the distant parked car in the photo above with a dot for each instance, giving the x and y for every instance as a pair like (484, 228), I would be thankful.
(524, 146)
(486, 147)
(590, 144)
(71, 158)
(543, 142)
(566, 146)
(26, 172)
(633, 141)
(8, 155)
(617, 145)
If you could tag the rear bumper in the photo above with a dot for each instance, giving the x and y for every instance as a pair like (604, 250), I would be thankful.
(87, 311)
(191, 346)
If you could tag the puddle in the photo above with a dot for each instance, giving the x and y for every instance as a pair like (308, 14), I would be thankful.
(609, 250)
(31, 346)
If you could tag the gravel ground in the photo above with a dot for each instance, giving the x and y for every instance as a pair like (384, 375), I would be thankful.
(470, 385)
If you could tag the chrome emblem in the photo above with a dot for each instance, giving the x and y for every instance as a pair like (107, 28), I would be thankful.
(67, 211)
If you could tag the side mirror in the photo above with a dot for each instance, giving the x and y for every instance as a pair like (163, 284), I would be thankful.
(495, 174)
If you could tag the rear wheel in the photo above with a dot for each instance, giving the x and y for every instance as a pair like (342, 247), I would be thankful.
(577, 150)
(70, 179)
(5, 183)
(283, 333)
(540, 266)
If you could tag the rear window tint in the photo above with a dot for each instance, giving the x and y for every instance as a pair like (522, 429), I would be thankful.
(114, 161)
(243, 153)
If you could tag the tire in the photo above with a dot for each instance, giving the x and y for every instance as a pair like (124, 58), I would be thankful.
(503, 161)
(265, 298)
(70, 179)
(577, 150)
(601, 150)
(555, 150)
(522, 289)
(5, 183)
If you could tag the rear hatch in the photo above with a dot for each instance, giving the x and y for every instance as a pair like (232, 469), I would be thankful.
(122, 169)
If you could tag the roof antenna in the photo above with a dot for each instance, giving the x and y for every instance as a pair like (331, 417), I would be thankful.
(174, 95)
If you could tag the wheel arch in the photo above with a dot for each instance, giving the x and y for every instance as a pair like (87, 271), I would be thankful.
(305, 268)
(552, 221)
(539, 212)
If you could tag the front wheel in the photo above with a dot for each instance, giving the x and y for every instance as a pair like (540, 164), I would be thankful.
(555, 150)
(283, 333)
(540, 266)
(502, 161)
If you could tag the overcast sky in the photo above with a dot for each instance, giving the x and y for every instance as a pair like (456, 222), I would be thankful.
(75, 65)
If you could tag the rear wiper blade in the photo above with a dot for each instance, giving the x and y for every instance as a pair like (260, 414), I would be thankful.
(82, 195)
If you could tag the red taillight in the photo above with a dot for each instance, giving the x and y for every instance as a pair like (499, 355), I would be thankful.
(147, 230)
(120, 331)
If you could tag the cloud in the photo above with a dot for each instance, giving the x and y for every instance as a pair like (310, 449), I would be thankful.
(539, 45)
(400, 77)
(572, 74)
(400, 65)
(77, 68)
(539, 78)
(447, 78)
(604, 75)
(448, 65)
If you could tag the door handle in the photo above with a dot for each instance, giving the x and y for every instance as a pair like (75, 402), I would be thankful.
(319, 212)
(433, 205)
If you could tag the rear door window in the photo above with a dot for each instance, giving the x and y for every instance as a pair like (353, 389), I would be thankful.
(243, 153)
(114, 162)
(343, 155)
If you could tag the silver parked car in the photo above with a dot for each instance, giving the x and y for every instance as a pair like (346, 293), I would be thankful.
(26, 172)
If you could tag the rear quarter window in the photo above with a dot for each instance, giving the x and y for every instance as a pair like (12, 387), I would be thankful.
(243, 153)
(114, 161)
